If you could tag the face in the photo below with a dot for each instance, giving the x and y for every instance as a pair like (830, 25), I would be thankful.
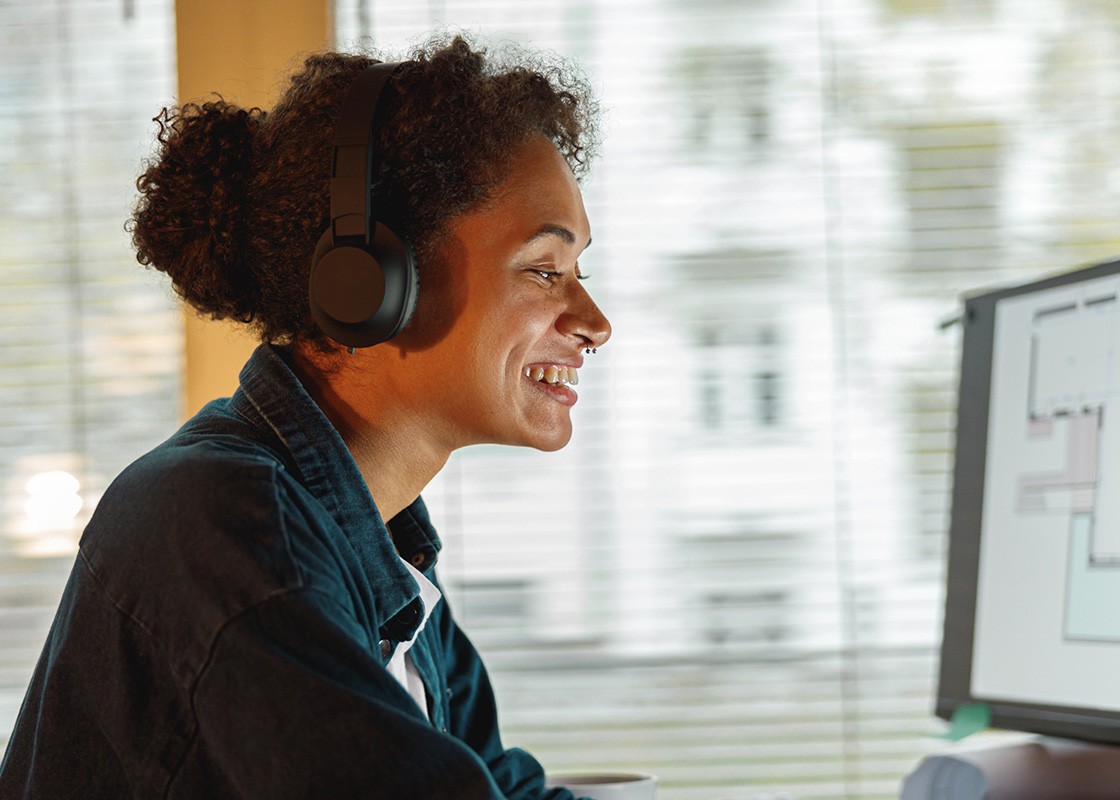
(514, 317)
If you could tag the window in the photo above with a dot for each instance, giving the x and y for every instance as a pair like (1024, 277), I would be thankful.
(726, 95)
(732, 577)
(89, 341)
(738, 379)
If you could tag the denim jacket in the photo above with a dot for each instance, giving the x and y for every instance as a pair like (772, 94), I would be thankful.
(225, 629)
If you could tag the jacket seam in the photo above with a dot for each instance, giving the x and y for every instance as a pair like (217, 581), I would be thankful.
(190, 742)
(104, 589)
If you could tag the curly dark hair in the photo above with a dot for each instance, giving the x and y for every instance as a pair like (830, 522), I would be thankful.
(235, 200)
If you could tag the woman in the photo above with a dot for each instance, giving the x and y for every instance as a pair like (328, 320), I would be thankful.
(254, 611)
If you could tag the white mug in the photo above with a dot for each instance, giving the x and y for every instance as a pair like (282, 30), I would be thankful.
(607, 785)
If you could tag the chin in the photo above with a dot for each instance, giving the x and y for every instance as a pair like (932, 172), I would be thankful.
(549, 441)
(553, 446)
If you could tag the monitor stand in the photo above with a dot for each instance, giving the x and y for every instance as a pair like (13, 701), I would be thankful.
(1041, 768)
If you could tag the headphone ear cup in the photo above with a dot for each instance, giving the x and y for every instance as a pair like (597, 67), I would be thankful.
(402, 278)
(361, 297)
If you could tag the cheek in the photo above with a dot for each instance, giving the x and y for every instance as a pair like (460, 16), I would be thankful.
(516, 319)
(502, 322)
(524, 333)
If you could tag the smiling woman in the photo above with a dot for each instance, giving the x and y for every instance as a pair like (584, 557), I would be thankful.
(254, 611)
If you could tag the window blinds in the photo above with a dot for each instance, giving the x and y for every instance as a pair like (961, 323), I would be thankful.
(732, 576)
(90, 350)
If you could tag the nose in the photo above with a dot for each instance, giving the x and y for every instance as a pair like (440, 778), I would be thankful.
(583, 319)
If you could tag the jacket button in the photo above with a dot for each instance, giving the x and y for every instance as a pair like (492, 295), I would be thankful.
(418, 560)
(385, 647)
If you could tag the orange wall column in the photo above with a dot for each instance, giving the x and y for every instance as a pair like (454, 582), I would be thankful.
(241, 50)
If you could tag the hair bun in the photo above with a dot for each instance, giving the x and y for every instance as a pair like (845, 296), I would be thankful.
(189, 221)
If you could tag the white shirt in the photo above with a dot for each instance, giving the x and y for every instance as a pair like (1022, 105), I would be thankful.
(400, 666)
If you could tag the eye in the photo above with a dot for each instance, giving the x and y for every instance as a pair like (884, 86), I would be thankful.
(549, 275)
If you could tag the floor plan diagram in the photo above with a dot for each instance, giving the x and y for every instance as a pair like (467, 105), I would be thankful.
(1071, 456)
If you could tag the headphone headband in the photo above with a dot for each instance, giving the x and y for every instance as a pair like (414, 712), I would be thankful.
(352, 160)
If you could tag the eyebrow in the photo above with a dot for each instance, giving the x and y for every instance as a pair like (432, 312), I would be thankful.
(559, 231)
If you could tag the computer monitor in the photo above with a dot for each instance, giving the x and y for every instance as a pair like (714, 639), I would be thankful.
(1032, 610)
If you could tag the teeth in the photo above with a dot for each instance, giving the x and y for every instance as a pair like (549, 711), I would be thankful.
(553, 374)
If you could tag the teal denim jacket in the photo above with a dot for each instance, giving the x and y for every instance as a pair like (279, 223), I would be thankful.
(225, 629)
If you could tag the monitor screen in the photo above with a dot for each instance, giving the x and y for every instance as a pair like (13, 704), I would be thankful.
(1032, 611)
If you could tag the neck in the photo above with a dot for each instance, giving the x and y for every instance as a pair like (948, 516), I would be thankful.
(391, 444)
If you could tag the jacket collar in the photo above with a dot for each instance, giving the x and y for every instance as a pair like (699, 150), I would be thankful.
(271, 398)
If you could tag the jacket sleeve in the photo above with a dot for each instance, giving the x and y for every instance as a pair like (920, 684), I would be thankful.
(474, 719)
(291, 704)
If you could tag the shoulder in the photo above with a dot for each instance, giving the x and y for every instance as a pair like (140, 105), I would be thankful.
(201, 523)
(190, 485)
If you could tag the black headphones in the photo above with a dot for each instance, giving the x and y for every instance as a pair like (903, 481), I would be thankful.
(364, 279)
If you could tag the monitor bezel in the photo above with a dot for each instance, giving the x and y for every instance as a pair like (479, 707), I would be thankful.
(965, 527)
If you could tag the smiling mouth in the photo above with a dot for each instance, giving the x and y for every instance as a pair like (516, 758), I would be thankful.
(553, 375)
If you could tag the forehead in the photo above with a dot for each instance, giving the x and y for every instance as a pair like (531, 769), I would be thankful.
(540, 195)
(524, 217)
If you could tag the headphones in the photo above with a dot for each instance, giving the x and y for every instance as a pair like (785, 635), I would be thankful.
(364, 280)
